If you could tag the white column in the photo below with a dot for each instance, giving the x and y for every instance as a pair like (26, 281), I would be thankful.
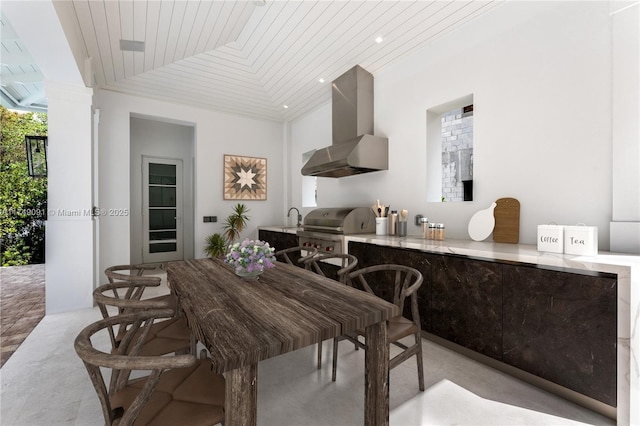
(625, 224)
(70, 228)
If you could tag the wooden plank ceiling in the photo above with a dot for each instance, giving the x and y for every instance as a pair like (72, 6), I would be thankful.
(250, 57)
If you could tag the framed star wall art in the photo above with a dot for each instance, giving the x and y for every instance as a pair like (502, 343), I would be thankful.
(245, 178)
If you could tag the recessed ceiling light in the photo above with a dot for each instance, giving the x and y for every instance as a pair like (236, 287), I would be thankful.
(321, 80)
(379, 39)
(285, 106)
(132, 45)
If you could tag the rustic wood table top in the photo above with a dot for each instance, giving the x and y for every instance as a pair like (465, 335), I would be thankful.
(243, 322)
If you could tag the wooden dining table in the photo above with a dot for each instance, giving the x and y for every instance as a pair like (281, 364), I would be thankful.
(243, 322)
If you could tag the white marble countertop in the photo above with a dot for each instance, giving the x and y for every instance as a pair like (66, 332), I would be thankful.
(525, 253)
(288, 229)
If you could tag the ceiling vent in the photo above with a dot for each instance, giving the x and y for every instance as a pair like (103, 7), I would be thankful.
(131, 46)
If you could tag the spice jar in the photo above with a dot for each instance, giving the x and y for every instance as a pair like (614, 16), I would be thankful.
(425, 227)
(432, 231)
(440, 232)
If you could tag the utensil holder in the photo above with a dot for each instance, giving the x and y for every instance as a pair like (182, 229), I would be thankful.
(402, 229)
(382, 225)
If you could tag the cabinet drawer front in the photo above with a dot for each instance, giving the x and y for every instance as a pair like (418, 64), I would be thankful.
(562, 327)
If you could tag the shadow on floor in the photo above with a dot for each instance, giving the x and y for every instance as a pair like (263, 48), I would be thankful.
(22, 305)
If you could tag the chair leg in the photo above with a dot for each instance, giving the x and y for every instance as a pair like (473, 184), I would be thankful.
(419, 362)
(335, 359)
(319, 355)
(193, 344)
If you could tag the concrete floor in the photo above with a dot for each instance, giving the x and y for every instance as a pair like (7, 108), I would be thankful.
(44, 382)
(21, 305)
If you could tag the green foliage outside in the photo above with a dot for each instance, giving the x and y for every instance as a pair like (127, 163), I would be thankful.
(23, 199)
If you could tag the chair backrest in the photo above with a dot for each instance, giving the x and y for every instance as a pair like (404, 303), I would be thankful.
(125, 360)
(345, 262)
(117, 272)
(296, 255)
(125, 297)
(405, 282)
(135, 274)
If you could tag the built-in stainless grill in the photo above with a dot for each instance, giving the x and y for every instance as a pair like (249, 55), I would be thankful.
(325, 228)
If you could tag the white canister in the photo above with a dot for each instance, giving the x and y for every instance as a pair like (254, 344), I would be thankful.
(581, 240)
(382, 224)
(551, 238)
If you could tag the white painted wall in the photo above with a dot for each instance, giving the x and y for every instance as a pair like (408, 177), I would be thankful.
(69, 229)
(216, 134)
(308, 133)
(161, 140)
(540, 74)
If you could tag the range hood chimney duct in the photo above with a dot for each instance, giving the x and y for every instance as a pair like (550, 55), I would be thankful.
(354, 149)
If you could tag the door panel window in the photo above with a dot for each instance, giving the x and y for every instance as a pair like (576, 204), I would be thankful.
(162, 204)
(162, 174)
(160, 196)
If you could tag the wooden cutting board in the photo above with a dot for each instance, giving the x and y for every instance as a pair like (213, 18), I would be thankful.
(507, 215)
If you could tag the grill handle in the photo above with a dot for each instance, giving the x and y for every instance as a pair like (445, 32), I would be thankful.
(331, 229)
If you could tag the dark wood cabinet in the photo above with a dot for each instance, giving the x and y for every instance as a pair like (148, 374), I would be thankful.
(562, 326)
(558, 324)
(466, 304)
(279, 240)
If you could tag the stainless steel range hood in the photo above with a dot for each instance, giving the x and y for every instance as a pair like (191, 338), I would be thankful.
(355, 149)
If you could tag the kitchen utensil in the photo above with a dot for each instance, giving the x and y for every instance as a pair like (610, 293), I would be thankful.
(482, 223)
(507, 217)
(403, 215)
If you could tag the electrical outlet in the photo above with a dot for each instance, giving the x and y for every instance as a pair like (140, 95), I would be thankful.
(207, 219)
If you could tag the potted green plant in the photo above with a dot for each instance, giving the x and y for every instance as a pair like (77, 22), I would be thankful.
(216, 244)
(235, 222)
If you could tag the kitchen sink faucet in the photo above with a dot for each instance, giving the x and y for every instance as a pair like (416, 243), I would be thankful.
(299, 216)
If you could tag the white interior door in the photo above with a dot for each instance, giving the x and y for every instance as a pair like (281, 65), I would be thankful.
(162, 238)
